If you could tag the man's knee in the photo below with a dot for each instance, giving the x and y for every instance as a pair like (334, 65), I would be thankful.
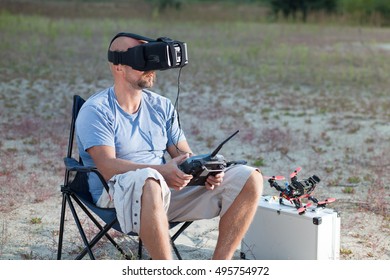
(153, 183)
(152, 189)
(254, 184)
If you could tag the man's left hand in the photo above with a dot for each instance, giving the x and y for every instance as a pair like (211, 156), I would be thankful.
(214, 181)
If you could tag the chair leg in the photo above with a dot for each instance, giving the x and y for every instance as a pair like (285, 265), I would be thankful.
(80, 228)
(176, 250)
(176, 235)
(103, 232)
(62, 221)
(139, 249)
(65, 200)
(181, 229)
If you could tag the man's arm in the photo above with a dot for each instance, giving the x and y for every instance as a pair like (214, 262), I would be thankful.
(108, 165)
(179, 149)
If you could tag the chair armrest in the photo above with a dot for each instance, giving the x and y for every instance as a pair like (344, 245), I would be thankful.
(72, 164)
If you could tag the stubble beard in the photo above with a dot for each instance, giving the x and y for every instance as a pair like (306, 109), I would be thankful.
(147, 80)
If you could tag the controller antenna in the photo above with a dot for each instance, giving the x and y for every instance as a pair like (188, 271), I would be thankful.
(215, 152)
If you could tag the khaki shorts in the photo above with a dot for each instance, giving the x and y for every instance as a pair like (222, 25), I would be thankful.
(189, 204)
(196, 202)
(125, 196)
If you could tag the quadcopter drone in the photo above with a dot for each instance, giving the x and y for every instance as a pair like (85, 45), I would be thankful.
(296, 191)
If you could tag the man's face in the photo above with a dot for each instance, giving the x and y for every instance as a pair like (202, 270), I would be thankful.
(136, 79)
(139, 79)
(147, 79)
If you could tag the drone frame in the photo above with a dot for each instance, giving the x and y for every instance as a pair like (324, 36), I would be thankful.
(296, 199)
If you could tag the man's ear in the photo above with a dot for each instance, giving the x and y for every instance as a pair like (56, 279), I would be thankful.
(118, 68)
(115, 68)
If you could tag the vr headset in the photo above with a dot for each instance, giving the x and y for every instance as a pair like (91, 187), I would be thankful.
(160, 54)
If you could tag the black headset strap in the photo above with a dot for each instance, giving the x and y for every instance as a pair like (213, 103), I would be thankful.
(131, 35)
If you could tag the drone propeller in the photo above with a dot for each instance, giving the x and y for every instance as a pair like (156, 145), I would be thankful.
(303, 208)
(303, 196)
(277, 178)
(296, 171)
(326, 201)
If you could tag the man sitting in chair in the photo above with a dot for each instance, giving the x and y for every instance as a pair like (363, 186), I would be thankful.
(124, 131)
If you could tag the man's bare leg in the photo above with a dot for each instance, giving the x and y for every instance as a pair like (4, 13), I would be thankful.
(237, 219)
(154, 231)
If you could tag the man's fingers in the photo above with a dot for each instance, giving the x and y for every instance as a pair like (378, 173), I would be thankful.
(181, 158)
(209, 186)
(215, 180)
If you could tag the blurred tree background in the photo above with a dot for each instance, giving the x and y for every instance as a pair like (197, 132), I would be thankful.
(362, 12)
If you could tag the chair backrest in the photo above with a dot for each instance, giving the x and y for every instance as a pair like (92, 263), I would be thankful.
(77, 103)
(79, 184)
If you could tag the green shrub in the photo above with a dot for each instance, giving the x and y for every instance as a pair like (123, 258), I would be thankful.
(365, 10)
(294, 8)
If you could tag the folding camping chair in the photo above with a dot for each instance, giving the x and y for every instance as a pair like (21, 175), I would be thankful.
(75, 189)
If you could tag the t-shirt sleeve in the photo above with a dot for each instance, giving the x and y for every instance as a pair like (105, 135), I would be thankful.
(95, 127)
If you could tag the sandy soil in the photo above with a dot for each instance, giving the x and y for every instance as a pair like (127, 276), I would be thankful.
(30, 230)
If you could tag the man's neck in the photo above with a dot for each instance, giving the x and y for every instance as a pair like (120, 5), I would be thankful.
(128, 99)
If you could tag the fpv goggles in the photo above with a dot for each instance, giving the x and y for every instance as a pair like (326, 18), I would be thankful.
(160, 54)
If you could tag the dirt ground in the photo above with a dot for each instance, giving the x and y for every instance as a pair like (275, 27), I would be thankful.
(30, 231)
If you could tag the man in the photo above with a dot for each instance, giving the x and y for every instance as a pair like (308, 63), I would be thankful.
(125, 131)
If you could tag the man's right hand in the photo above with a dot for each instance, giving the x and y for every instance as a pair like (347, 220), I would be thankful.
(174, 177)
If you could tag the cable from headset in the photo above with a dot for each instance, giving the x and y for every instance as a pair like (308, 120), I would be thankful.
(176, 105)
(176, 109)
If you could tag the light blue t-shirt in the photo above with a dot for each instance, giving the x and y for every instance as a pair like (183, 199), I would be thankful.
(142, 137)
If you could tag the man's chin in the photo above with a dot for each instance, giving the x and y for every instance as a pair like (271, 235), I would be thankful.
(147, 80)
(146, 84)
